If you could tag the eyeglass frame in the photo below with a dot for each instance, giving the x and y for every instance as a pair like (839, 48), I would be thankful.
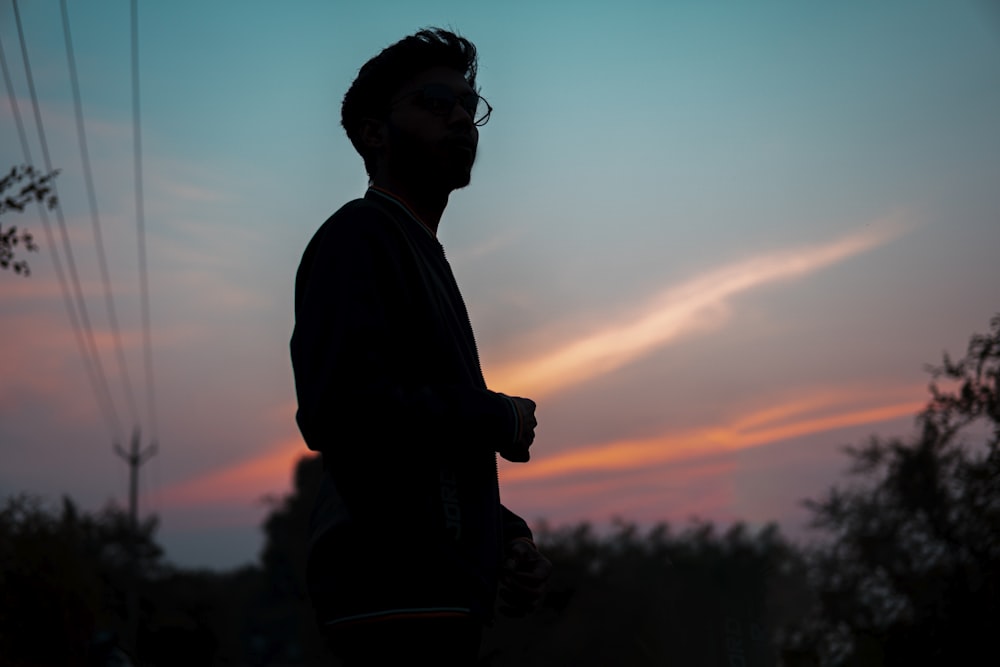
(452, 99)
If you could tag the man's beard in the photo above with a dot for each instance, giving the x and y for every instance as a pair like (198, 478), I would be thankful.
(436, 168)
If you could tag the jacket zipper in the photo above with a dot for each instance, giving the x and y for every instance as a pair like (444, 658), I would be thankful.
(479, 365)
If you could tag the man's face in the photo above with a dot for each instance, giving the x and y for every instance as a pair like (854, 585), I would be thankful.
(429, 144)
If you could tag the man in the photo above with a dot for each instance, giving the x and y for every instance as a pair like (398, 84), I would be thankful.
(409, 541)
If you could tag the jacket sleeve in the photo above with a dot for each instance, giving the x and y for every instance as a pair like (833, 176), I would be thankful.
(352, 342)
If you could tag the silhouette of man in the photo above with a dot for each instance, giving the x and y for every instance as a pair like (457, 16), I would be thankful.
(409, 542)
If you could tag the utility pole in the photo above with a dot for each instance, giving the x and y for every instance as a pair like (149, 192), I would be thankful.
(134, 458)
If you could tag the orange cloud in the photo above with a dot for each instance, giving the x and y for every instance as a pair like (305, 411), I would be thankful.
(693, 305)
(557, 483)
(753, 430)
(675, 476)
(242, 483)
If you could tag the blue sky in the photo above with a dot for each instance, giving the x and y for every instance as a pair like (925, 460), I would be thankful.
(715, 240)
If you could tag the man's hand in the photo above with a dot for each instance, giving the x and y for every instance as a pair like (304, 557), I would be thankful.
(523, 578)
(518, 452)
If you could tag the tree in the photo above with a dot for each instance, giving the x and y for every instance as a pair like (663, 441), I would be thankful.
(64, 576)
(283, 618)
(37, 189)
(695, 597)
(911, 571)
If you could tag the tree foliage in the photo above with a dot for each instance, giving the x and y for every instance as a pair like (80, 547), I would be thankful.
(15, 197)
(910, 573)
(65, 574)
(286, 625)
(624, 596)
(698, 596)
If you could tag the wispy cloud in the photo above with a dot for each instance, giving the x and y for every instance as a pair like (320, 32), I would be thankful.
(240, 483)
(485, 247)
(36, 363)
(695, 304)
(826, 411)
(191, 192)
(676, 476)
(616, 477)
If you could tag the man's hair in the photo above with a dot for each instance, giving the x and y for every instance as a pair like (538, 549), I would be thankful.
(380, 78)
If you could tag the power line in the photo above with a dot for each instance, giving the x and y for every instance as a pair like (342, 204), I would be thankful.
(56, 262)
(101, 391)
(13, 104)
(141, 224)
(94, 217)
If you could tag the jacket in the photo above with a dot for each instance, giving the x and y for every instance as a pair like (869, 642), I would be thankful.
(408, 520)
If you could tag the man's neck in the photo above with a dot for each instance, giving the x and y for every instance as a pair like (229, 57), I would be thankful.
(427, 206)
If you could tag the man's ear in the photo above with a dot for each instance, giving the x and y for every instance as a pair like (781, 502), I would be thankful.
(374, 134)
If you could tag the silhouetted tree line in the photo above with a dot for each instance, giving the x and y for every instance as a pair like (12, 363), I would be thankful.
(905, 572)
(910, 574)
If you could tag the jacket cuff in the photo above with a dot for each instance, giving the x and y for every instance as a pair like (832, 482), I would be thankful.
(517, 418)
(514, 527)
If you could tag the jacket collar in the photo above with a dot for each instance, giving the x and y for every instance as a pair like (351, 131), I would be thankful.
(375, 192)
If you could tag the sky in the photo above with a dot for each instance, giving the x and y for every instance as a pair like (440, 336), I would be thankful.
(716, 242)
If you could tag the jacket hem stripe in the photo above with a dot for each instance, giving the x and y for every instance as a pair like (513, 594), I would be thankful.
(393, 614)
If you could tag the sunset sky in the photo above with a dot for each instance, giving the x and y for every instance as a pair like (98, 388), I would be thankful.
(714, 241)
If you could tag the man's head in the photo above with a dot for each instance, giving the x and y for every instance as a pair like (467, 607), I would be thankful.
(412, 111)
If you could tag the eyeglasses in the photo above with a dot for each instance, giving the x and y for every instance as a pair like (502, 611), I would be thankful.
(440, 99)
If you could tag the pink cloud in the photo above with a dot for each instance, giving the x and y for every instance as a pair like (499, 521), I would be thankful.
(672, 476)
(697, 304)
(240, 483)
(752, 430)
(39, 359)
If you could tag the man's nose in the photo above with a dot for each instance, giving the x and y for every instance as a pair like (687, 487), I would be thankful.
(461, 116)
